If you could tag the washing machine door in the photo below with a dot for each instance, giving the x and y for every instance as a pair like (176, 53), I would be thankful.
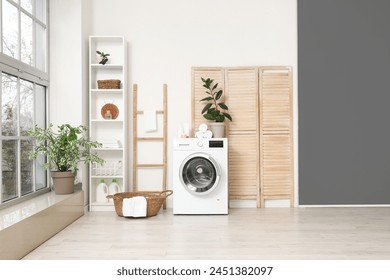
(199, 174)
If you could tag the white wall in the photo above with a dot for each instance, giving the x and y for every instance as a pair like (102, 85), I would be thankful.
(65, 62)
(68, 67)
(167, 38)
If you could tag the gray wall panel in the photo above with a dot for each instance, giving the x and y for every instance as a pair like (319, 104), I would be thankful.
(344, 101)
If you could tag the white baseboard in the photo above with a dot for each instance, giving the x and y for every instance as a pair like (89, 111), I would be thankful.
(344, 205)
(277, 203)
(242, 204)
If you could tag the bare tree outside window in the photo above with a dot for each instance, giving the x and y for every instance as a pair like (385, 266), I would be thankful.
(26, 48)
(10, 30)
(9, 101)
(32, 48)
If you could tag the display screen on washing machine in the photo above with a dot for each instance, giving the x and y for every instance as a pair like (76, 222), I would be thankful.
(199, 174)
(215, 144)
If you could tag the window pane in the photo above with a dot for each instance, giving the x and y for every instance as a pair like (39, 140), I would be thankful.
(10, 30)
(9, 102)
(40, 47)
(40, 105)
(26, 167)
(40, 173)
(40, 10)
(27, 5)
(26, 50)
(40, 120)
(9, 169)
(26, 111)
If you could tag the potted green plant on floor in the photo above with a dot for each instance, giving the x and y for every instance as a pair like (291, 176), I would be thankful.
(64, 149)
(215, 109)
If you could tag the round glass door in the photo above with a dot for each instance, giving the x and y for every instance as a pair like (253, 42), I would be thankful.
(199, 174)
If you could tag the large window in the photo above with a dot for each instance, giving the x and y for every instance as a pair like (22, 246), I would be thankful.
(23, 95)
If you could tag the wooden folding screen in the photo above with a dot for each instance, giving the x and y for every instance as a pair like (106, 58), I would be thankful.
(276, 134)
(260, 136)
(241, 86)
(198, 92)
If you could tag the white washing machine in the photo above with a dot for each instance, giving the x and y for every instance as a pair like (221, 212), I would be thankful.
(200, 176)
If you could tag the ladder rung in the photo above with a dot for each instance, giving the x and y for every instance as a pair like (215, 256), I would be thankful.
(150, 165)
(157, 112)
(150, 138)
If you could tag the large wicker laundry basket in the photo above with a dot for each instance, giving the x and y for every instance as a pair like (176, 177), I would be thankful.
(154, 201)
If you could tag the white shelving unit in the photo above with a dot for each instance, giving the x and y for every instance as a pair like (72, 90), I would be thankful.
(108, 130)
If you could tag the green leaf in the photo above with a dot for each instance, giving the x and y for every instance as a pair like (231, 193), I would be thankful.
(215, 86)
(223, 106)
(218, 95)
(203, 80)
(208, 105)
(228, 116)
(98, 52)
(220, 118)
(208, 117)
(215, 113)
(206, 99)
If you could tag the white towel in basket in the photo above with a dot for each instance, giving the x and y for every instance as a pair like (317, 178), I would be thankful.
(134, 207)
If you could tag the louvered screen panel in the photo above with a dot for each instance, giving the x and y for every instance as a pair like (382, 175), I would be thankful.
(243, 166)
(241, 98)
(275, 99)
(199, 92)
(276, 164)
(276, 148)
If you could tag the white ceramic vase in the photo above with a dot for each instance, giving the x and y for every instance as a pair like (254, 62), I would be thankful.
(218, 129)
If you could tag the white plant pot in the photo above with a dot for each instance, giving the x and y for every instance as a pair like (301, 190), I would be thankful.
(218, 129)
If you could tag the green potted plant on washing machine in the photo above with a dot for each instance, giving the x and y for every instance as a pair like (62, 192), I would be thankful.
(64, 150)
(215, 109)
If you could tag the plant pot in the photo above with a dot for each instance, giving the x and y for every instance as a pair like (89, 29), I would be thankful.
(218, 129)
(63, 182)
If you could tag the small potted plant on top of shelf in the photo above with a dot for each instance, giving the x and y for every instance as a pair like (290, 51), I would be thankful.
(215, 109)
(64, 149)
(103, 57)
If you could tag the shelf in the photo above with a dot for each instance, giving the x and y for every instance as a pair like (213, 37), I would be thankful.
(105, 39)
(106, 176)
(102, 203)
(97, 120)
(119, 91)
(107, 66)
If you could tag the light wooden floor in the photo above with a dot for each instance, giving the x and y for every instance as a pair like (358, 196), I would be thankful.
(272, 234)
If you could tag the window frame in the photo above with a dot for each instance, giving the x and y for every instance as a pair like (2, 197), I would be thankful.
(17, 63)
(21, 70)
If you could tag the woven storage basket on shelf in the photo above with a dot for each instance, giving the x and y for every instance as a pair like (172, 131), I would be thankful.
(154, 201)
(109, 84)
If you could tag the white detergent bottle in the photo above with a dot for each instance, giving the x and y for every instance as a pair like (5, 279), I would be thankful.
(113, 188)
(102, 192)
